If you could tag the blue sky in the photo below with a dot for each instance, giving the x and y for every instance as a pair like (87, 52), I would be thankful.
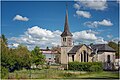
(41, 22)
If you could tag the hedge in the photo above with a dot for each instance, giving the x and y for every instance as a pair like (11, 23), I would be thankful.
(85, 66)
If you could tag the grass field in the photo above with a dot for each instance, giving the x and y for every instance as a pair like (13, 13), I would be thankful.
(59, 74)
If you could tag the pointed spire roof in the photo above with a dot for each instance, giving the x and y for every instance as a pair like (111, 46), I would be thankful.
(66, 31)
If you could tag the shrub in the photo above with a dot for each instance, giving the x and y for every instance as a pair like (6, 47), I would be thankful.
(95, 68)
(66, 75)
(4, 72)
(84, 66)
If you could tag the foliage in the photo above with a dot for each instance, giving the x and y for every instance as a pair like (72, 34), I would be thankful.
(23, 58)
(14, 59)
(37, 56)
(83, 66)
(95, 68)
(4, 72)
(7, 58)
(4, 39)
(59, 74)
(114, 46)
(66, 75)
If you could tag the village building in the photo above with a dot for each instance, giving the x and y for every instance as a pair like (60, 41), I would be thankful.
(84, 53)
(50, 55)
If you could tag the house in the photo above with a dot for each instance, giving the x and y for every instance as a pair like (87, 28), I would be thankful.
(104, 54)
(117, 63)
(50, 55)
(84, 53)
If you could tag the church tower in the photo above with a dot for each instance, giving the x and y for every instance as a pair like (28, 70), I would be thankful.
(66, 42)
(66, 36)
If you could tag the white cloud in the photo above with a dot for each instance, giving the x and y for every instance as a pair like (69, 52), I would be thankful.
(20, 18)
(83, 14)
(84, 35)
(95, 24)
(105, 23)
(38, 36)
(13, 45)
(76, 6)
(93, 4)
(109, 36)
(43, 37)
(100, 40)
(93, 32)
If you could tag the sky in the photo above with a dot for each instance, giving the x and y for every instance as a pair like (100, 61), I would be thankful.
(40, 23)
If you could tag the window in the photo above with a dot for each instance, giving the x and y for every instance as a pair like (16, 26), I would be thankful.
(108, 58)
(64, 39)
(84, 56)
(87, 57)
(81, 57)
(72, 57)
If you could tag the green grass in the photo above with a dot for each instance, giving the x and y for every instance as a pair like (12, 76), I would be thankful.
(58, 74)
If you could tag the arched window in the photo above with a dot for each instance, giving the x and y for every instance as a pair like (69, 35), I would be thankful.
(87, 57)
(72, 57)
(81, 57)
(84, 56)
(108, 58)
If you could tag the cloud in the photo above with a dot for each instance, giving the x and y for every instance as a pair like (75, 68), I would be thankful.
(105, 23)
(95, 24)
(93, 32)
(37, 36)
(20, 18)
(83, 14)
(109, 36)
(13, 45)
(116, 40)
(100, 40)
(84, 35)
(87, 37)
(93, 4)
(76, 6)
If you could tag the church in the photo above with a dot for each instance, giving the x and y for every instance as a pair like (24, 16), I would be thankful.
(84, 53)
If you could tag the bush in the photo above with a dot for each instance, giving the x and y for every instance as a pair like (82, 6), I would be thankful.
(4, 72)
(84, 66)
(95, 68)
(66, 75)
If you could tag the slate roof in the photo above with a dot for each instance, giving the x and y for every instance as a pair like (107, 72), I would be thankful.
(66, 31)
(102, 47)
(75, 49)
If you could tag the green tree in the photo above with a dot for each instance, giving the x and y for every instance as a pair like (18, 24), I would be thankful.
(114, 46)
(37, 56)
(4, 39)
(7, 59)
(22, 57)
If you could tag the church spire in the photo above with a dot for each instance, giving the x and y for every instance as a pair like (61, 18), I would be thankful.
(66, 26)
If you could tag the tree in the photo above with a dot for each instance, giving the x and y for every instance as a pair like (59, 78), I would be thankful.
(4, 39)
(114, 46)
(7, 59)
(37, 56)
(23, 57)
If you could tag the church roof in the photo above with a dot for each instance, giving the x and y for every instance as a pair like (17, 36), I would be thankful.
(66, 31)
(102, 47)
(75, 49)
